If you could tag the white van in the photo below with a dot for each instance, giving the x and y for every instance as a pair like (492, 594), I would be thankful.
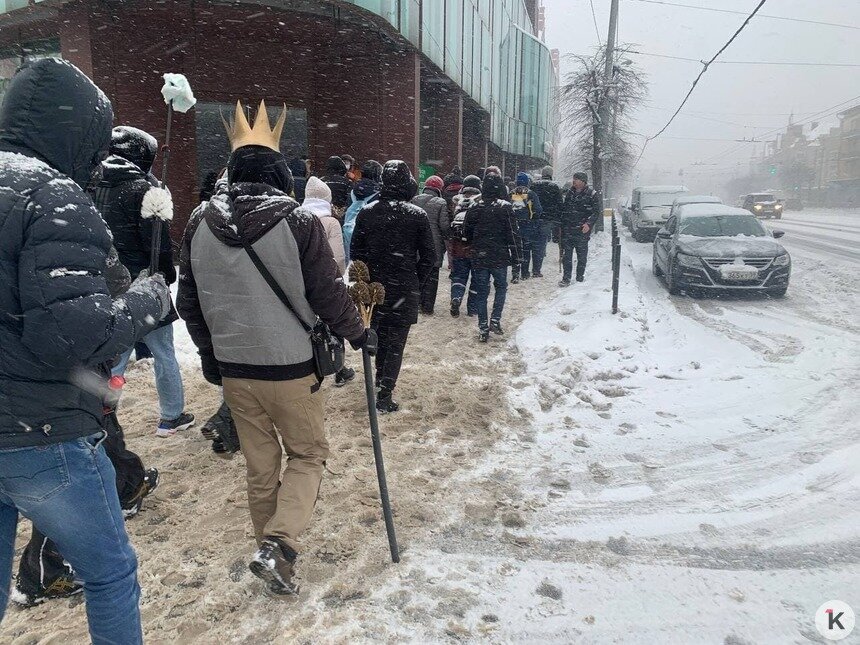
(649, 209)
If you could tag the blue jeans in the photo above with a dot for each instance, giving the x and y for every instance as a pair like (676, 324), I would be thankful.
(481, 282)
(68, 491)
(460, 270)
(168, 379)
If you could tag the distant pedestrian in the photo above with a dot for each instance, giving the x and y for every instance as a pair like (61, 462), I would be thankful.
(453, 184)
(365, 191)
(352, 171)
(299, 168)
(339, 183)
(459, 252)
(490, 230)
(528, 211)
(432, 202)
(393, 238)
(578, 215)
(551, 201)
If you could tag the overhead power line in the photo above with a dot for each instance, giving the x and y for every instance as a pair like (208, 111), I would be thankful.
(747, 62)
(701, 73)
(594, 17)
(762, 15)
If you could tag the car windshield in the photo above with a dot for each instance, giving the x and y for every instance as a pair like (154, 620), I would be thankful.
(763, 198)
(648, 200)
(721, 226)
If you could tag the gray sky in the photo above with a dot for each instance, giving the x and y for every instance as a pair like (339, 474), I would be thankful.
(751, 98)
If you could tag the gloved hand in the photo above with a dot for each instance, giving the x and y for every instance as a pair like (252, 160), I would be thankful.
(209, 366)
(153, 286)
(368, 340)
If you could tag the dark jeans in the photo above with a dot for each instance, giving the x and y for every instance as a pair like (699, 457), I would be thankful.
(461, 268)
(429, 291)
(68, 491)
(41, 562)
(389, 357)
(578, 243)
(481, 280)
(540, 240)
(534, 249)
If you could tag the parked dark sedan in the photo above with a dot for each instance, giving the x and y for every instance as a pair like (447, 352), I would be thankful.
(714, 247)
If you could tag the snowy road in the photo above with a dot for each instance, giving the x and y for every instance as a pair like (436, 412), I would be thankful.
(819, 233)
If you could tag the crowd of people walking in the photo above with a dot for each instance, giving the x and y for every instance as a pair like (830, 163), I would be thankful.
(263, 260)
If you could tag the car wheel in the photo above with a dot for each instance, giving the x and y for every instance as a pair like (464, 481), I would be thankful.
(655, 267)
(778, 293)
(671, 281)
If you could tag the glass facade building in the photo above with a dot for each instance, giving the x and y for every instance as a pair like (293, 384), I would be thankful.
(488, 48)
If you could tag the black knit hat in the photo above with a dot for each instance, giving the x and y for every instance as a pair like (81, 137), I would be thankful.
(493, 188)
(581, 176)
(397, 181)
(260, 165)
(472, 181)
(135, 145)
(371, 170)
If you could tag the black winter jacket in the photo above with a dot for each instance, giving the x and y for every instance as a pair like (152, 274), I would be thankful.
(394, 239)
(300, 180)
(119, 196)
(337, 181)
(492, 232)
(58, 323)
(550, 199)
(578, 208)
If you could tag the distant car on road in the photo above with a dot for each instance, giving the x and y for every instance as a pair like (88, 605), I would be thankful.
(649, 209)
(762, 205)
(693, 199)
(713, 247)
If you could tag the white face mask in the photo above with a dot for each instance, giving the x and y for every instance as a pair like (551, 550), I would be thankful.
(348, 166)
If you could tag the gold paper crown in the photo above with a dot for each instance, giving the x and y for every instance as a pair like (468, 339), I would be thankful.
(241, 133)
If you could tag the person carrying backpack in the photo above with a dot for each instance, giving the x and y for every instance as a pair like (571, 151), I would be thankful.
(459, 252)
(365, 192)
(527, 209)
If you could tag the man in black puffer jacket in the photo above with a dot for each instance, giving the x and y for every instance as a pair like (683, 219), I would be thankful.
(58, 328)
(394, 239)
(491, 231)
(340, 185)
(579, 213)
(551, 200)
(299, 169)
(129, 199)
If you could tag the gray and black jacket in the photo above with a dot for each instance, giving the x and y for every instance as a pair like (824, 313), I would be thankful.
(230, 310)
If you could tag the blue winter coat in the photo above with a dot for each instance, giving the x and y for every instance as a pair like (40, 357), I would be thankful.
(365, 192)
(58, 323)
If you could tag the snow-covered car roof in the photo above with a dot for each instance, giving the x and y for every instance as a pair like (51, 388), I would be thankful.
(707, 210)
(697, 199)
(662, 189)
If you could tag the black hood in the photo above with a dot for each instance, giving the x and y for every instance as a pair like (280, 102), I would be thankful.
(398, 182)
(261, 165)
(54, 112)
(493, 188)
(335, 166)
(137, 146)
(298, 167)
(372, 170)
(365, 187)
(258, 207)
(116, 170)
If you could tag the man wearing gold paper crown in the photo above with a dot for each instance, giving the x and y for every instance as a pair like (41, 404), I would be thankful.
(252, 344)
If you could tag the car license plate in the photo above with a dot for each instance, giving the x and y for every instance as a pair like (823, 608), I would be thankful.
(741, 275)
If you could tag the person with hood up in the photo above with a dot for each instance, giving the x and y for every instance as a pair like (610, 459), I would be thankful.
(550, 198)
(432, 203)
(393, 238)
(339, 183)
(528, 211)
(299, 170)
(490, 230)
(129, 199)
(366, 190)
(248, 247)
(352, 171)
(580, 210)
(318, 202)
(453, 184)
(459, 253)
(61, 331)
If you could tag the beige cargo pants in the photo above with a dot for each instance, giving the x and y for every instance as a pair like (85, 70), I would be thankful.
(281, 504)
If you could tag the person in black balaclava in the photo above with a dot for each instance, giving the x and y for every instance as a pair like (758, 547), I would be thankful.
(394, 239)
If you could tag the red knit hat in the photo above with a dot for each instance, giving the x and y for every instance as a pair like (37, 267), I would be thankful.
(434, 181)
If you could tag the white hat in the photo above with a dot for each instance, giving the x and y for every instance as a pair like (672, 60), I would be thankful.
(318, 189)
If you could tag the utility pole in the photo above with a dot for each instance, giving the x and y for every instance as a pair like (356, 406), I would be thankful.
(600, 182)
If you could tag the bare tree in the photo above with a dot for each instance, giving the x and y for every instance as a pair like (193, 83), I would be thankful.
(582, 94)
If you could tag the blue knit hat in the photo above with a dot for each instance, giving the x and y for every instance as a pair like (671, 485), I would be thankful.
(523, 179)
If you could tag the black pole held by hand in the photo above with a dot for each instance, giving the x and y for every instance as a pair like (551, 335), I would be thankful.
(377, 455)
(155, 250)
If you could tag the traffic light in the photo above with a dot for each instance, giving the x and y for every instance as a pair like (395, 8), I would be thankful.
(773, 169)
